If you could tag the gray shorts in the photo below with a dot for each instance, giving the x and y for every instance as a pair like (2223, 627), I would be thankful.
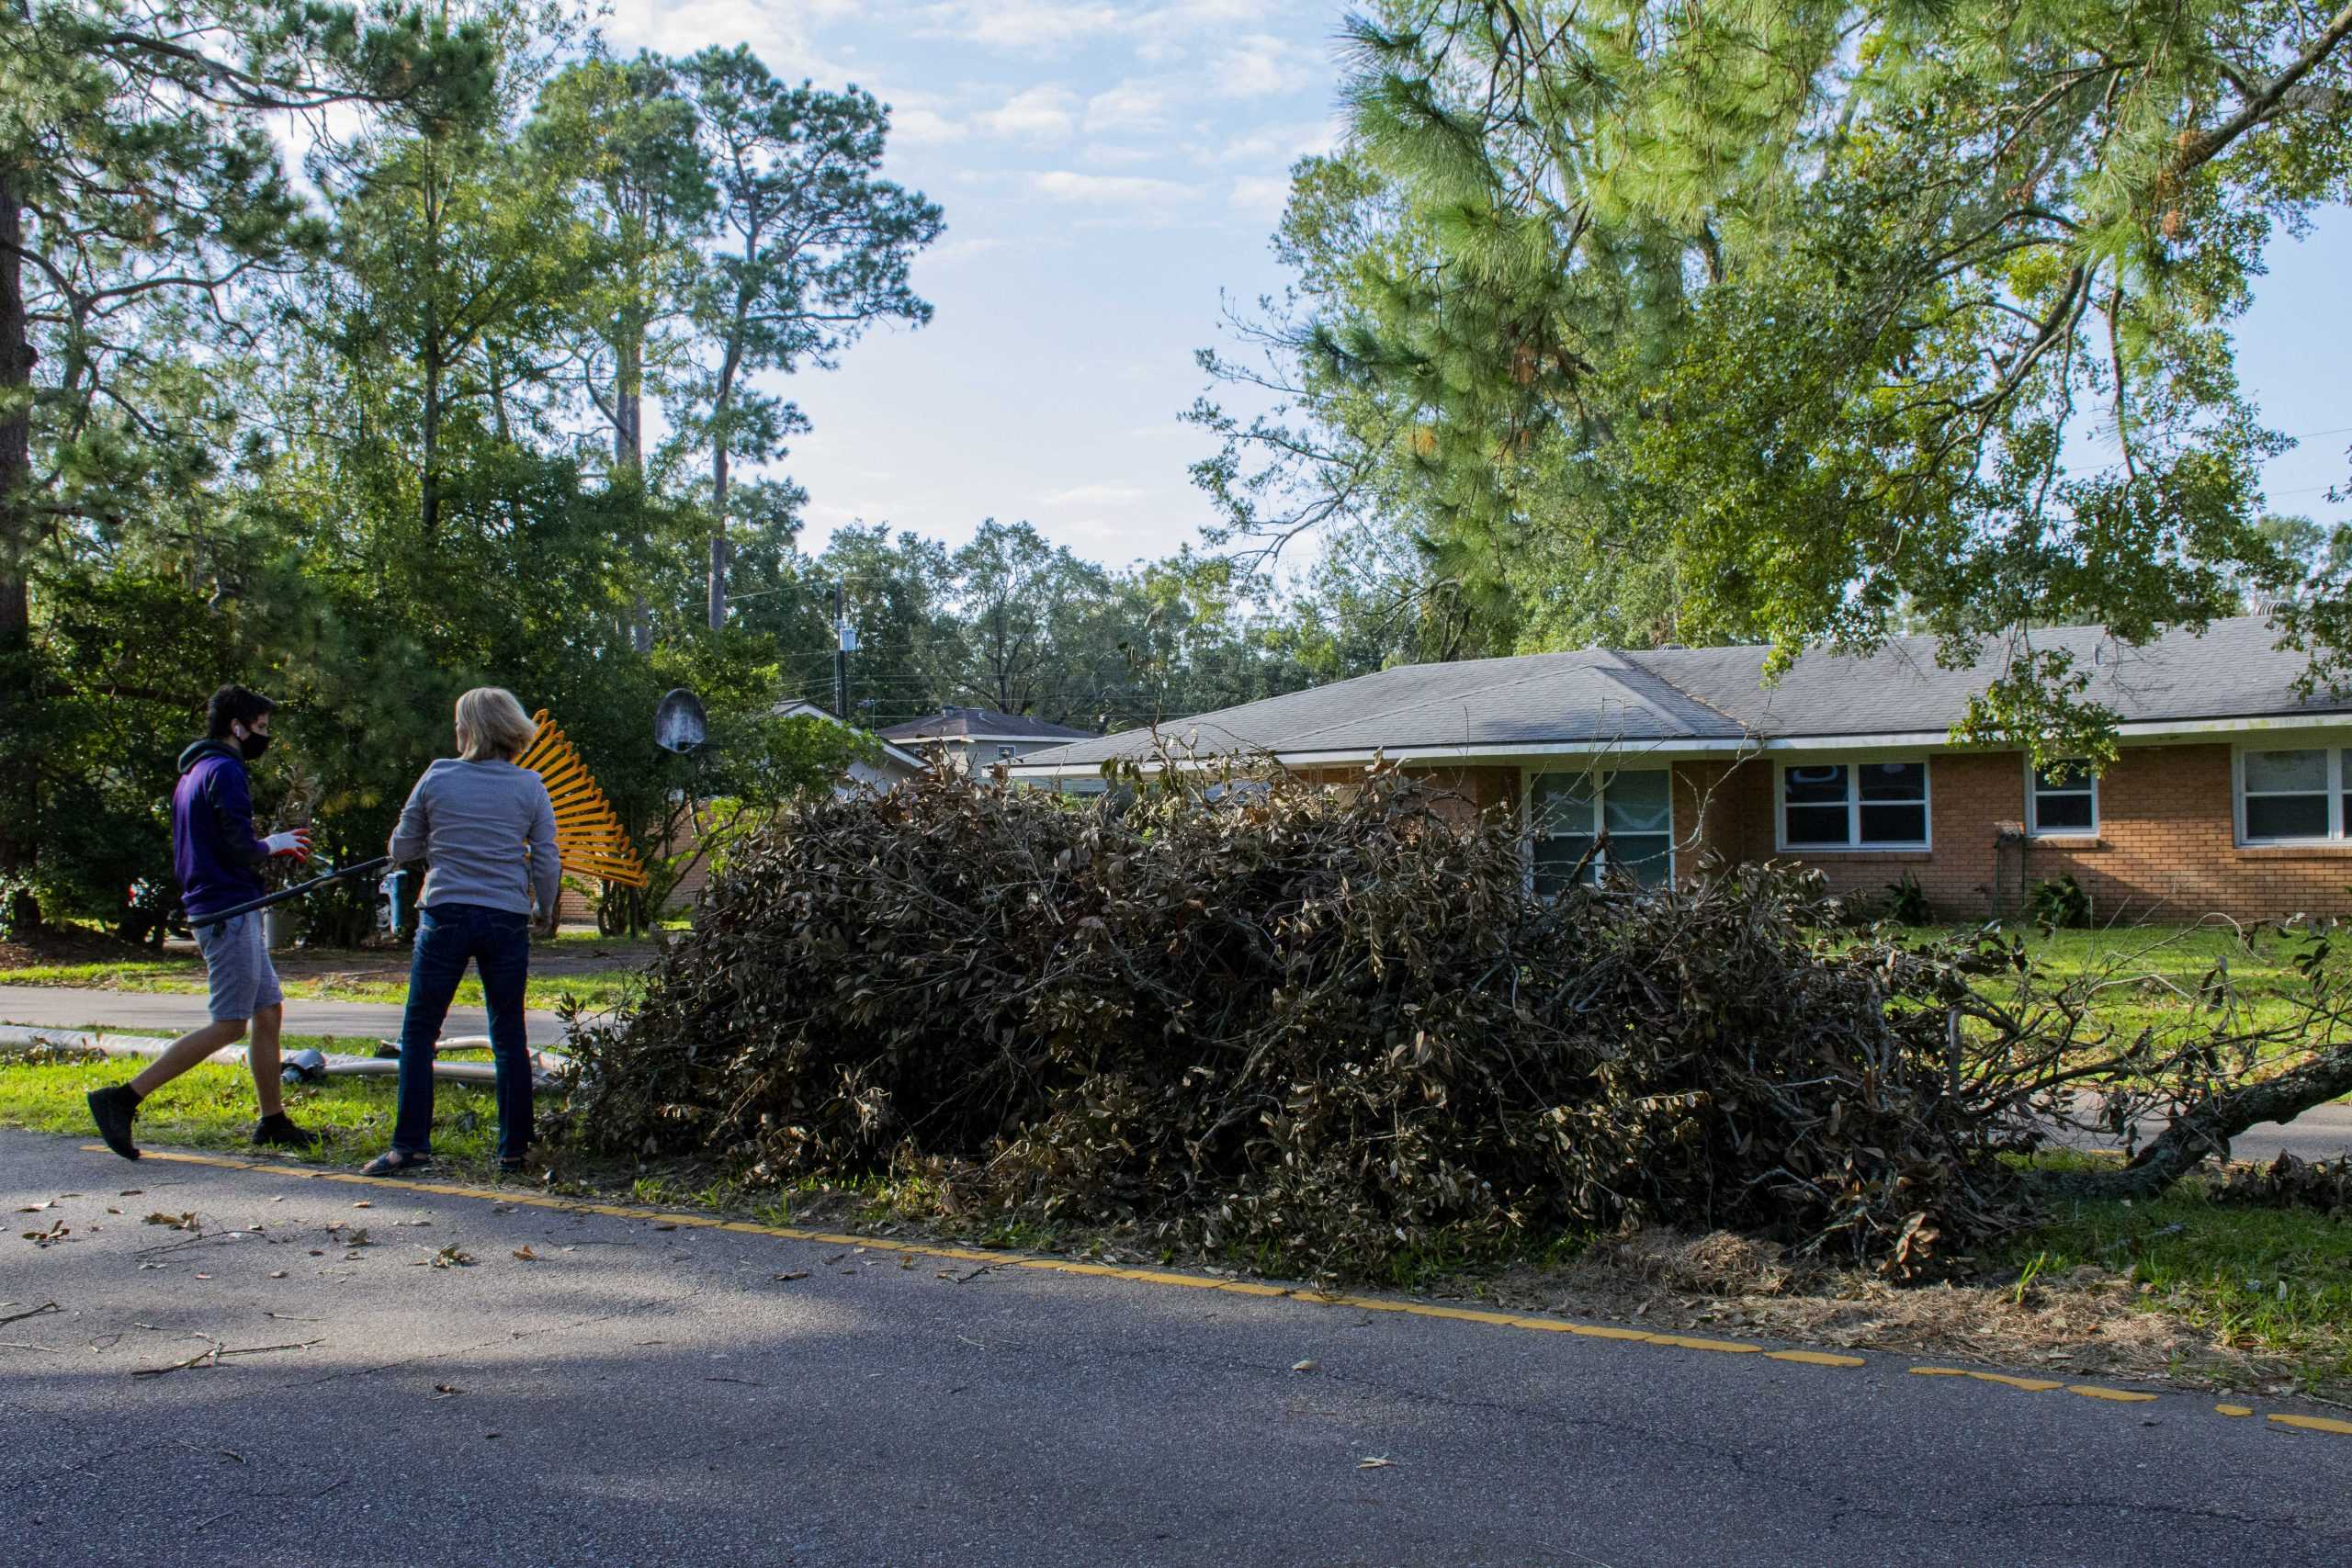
(236, 960)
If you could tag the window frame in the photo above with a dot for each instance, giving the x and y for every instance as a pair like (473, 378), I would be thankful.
(1854, 844)
(1531, 833)
(2245, 840)
(2033, 828)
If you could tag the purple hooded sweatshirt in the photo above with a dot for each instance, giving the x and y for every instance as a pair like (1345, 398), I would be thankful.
(214, 853)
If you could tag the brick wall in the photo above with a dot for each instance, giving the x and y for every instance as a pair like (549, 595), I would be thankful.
(2166, 846)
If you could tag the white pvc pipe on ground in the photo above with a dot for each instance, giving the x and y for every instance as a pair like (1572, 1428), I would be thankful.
(544, 1063)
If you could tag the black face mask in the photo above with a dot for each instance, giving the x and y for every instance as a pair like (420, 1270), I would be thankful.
(253, 746)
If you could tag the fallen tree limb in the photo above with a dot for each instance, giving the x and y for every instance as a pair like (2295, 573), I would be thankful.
(2205, 1127)
(214, 1355)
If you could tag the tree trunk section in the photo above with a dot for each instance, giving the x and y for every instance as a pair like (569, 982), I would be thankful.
(429, 484)
(2206, 1128)
(16, 533)
(719, 535)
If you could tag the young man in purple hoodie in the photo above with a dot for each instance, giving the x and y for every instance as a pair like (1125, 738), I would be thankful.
(218, 859)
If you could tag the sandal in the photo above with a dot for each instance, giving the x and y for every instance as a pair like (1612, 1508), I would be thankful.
(395, 1162)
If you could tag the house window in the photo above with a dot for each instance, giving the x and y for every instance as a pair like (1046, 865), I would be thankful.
(2289, 796)
(2062, 800)
(1850, 805)
(1628, 815)
(1004, 753)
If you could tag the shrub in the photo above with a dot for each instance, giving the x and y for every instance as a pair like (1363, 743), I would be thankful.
(1322, 1026)
(1907, 902)
(2060, 903)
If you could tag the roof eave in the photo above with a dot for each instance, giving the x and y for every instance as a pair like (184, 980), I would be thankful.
(1678, 748)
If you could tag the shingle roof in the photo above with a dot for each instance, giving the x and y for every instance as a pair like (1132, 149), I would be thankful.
(1600, 696)
(964, 723)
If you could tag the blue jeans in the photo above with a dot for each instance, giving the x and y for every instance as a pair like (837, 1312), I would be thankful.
(499, 943)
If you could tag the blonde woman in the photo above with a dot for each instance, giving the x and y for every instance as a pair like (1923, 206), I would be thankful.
(487, 829)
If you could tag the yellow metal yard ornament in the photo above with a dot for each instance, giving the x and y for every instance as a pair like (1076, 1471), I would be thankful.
(588, 839)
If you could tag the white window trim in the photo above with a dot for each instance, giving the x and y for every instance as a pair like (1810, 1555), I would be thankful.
(2033, 828)
(1853, 845)
(1529, 835)
(2335, 834)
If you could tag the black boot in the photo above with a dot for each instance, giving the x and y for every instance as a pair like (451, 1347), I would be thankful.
(278, 1131)
(112, 1109)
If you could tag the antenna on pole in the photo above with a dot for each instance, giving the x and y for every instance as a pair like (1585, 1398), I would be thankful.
(844, 643)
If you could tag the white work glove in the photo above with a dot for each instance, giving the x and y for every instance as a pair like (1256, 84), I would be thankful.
(296, 843)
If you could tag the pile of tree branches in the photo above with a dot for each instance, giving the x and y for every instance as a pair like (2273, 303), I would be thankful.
(1321, 1027)
(1329, 1030)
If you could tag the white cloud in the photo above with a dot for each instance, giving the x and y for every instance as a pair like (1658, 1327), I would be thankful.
(1025, 25)
(1113, 155)
(784, 35)
(1260, 196)
(962, 250)
(1035, 114)
(1094, 495)
(1133, 104)
(924, 127)
(1063, 185)
(1282, 145)
(1258, 66)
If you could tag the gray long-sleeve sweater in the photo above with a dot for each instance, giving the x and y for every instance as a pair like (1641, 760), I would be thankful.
(489, 831)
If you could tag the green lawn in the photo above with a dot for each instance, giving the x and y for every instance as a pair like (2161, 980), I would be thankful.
(2169, 978)
(213, 1107)
(2273, 1281)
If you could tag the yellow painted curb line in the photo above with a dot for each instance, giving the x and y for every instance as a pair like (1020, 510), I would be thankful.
(2314, 1423)
(1023, 1260)
(1191, 1281)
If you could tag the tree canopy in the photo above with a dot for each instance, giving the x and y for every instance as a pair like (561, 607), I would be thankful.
(1806, 325)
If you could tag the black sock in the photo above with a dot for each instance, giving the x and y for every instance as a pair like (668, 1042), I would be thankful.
(131, 1092)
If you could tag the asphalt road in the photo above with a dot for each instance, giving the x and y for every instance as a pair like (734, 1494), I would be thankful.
(177, 1012)
(640, 1394)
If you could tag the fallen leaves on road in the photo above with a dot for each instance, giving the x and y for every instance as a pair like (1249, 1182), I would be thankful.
(36, 1312)
(445, 1388)
(525, 1255)
(58, 1231)
(453, 1257)
(1306, 1366)
(796, 1274)
(1378, 1461)
(180, 1222)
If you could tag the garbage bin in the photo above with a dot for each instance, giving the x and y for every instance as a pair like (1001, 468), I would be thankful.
(277, 929)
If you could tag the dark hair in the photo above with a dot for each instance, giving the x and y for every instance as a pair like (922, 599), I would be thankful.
(233, 705)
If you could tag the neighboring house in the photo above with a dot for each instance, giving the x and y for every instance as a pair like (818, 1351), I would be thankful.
(976, 740)
(897, 764)
(2229, 795)
(893, 767)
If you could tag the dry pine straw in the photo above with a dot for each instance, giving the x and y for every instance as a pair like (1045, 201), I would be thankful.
(2087, 1322)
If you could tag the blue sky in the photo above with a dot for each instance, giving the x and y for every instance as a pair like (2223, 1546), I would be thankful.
(1111, 172)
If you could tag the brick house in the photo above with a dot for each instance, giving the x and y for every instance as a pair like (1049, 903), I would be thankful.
(2229, 794)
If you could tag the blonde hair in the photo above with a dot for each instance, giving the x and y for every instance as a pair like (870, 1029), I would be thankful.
(492, 723)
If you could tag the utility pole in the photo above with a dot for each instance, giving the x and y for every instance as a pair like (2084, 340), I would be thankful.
(844, 639)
